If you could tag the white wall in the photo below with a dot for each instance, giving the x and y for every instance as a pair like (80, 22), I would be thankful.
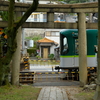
(52, 49)
(55, 39)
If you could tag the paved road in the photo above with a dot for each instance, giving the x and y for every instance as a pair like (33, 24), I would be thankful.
(58, 83)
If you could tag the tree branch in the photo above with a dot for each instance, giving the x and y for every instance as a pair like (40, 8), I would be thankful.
(32, 8)
(11, 13)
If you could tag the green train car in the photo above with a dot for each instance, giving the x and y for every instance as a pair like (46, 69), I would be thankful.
(69, 49)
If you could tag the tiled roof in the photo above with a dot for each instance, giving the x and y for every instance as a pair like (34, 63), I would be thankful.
(46, 40)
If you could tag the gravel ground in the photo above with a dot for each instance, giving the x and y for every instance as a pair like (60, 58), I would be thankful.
(72, 91)
(77, 93)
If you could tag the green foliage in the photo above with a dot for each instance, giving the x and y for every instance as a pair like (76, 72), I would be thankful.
(71, 2)
(5, 30)
(51, 56)
(4, 15)
(38, 57)
(32, 50)
(17, 19)
(19, 93)
(35, 38)
(86, 95)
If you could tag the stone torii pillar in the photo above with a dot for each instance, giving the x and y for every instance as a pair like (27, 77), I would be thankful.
(82, 49)
(50, 19)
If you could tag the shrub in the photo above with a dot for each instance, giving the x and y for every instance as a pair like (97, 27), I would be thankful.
(38, 57)
(30, 51)
(51, 56)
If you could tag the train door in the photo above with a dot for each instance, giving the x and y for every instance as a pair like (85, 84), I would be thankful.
(66, 60)
(76, 56)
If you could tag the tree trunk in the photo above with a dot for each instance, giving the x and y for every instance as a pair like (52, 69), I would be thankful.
(11, 40)
(16, 57)
(97, 93)
(16, 60)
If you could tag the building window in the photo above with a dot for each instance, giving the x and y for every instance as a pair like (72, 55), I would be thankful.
(54, 33)
(44, 17)
(76, 46)
(47, 33)
(35, 17)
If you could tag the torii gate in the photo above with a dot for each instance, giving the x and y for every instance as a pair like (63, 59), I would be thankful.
(81, 9)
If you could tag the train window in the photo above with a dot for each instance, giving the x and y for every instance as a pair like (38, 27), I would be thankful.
(96, 48)
(65, 46)
(65, 41)
(76, 46)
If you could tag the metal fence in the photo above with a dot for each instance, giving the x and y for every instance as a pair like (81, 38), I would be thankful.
(32, 77)
(55, 76)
